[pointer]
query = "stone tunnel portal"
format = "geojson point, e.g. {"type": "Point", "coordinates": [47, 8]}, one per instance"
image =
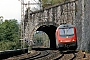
{"type": "Point", "coordinates": [50, 31]}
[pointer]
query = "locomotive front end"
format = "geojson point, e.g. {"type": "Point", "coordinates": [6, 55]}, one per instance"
{"type": "Point", "coordinates": [66, 37]}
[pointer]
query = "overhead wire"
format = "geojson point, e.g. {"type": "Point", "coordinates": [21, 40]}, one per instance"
{"type": "Point", "coordinates": [36, 3]}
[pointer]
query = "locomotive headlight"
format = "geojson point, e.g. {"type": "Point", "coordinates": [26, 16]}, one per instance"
{"type": "Point", "coordinates": [61, 41]}
{"type": "Point", "coordinates": [73, 40]}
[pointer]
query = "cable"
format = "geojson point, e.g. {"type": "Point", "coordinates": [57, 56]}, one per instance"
{"type": "Point", "coordinates": [35, 1]}
{"type": "Point", "coordinates": [37, 5]}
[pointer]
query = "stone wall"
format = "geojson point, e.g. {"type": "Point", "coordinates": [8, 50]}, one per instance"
{"type": "Point", "coordinates": [87, 23]}
{"type": "Point", "coordinates": [83, 24]}
{"type": "Point", "coordinates": [78, 23]}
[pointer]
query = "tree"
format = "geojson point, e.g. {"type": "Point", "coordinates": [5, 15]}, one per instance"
{"type": "Point", "coordinates": [9, 29]}
{"type": "Point", "coordinates": [9, 35]}
{"type": "Point", "coordinates": [46, 3]}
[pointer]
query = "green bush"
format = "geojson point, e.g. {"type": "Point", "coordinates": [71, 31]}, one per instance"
{"type": "Point", "coordinates": [9, 35]}
{"type": "Point", "coordinates": [51, 2]}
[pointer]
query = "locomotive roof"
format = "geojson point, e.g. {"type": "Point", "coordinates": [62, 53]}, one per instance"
{"type": "Point", "coordinates": [66, 26]}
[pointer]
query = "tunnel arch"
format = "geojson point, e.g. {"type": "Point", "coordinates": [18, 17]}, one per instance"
{"type": "Point", "coordinates": [50, 30]}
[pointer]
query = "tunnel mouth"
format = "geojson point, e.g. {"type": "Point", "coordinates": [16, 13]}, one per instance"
{"type": "Point", "coordinates": [50, 31]}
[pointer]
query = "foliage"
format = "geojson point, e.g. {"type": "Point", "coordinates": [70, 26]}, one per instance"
{"type": "Point", "coordinates": [46, 3]}
{"type": "Point", "coordinates": [40, 38]}
{"type": "Point", "coordinates": [9, 35]}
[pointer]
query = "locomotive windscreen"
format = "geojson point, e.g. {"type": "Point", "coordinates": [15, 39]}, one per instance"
{"type": "Point", "coordinates": [64, 32]}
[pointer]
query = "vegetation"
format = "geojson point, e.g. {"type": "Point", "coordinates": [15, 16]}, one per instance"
{"type": "Point", "coordinates": [46, 3]}
{"type": "Point", "coordinates": [41, 39]}
{"type": "Point", "coordinates": [9, 35]}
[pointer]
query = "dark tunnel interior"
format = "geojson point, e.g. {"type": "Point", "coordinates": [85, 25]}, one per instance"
{"type": "Point", "coordinates": [50, 31]}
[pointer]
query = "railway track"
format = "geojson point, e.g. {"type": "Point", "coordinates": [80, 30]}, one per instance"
{"type": "Point", "coordinates": [22, 56]}
{"type": "Point", "coordinates": [37, 56]}
{"type": "Point", "coordinates": [49, 55]}
{"type": "Point", "coordinates": [68, 55]}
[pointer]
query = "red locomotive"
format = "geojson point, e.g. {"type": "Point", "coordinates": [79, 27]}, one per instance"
{"type": "Point", "coordinates": [66, 38]}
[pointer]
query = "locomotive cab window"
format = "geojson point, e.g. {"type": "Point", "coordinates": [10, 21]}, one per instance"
{"type": "Point", "coordinates": [66, 32]}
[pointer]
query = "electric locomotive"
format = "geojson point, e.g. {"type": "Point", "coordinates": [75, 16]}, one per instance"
{"type": "Point", "coordinates": [66, 38]}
